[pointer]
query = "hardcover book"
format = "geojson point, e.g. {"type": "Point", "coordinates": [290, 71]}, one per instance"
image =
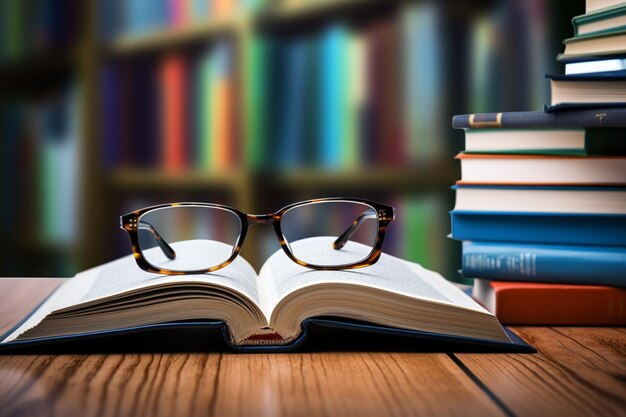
{"type": "Point", "coordinates": [547, 141]}
{"type": "Point", "coordinates": [520, 303]}
{"type": "Point", "coordinates": [545, 263]}
{"type": "Point", "coordinates": [566, 118]}
{"type": "Point", "coordinates": [594, 45]}
{"type": "Point", "coordinates": [587, 90]}
{"type": "Point", "coordinates": [592, 200]}
{"type": "Point", "coordinates": [540, 227]}
{"type": "Point", "coordinates": [271, 310]}
{"type": "Point", "coordinates": [596, 65]}
{"type": "Point", "coordinates": [601, 21]}
{"type": "Point", "coordinates": [542, 170]}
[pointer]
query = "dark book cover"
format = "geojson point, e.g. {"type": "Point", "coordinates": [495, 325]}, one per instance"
{"type": "Point", "coordinates": [573, 117]}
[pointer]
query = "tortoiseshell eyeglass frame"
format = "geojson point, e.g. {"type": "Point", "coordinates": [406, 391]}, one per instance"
{"type": "Point", "coordinates": [130, 223]}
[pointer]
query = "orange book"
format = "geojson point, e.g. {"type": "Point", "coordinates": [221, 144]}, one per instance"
{"type": "Point", "coordinates": [223, 7]}
{"type": "Point", "coordinates": [223, 107]}
{"type": "Point", "coordinates": [173, 113]}
{"type": "Point", "coordinates": [221, 124]}
{"type": "Point", "coordinates": [521, 303]}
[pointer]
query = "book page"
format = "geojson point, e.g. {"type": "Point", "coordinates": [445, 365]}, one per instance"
{"type": "Point", "coordinates": [124, 275]}
{"type": "Point", "coordinates": [389, 274]}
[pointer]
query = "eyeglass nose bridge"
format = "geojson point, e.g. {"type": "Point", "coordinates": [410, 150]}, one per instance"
{"type": "Point", "coordinates": [262, 218]}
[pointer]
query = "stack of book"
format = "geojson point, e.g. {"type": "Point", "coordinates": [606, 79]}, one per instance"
{"type": "Point", "coordinates": [541, 205]}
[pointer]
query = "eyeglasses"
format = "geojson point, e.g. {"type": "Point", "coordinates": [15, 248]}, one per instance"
{"type": "Point", "coordinates": [197, 238]}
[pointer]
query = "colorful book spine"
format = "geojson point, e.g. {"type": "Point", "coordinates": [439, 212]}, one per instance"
{"type": "Point", "coordinates": [178, 13]}
{"type": "Point", "coordinates": [204, 136]}
{"type": "Point", "coordinates": [356, 90]}
{"type": "Point", "coordinates": [254, 92]}
{"type": "Point", "coordinates": [332, 92]}
{"type": "Point", "coordinates": [517, 303]}
{"type": "Point", "coordinates": [222, 8]}
{"type": "Point", "coordinates": [566, 264]}
{"type": "Point", "coordinates": [174, 110]}
{"type": "Point", "coordinates": [200, 10]}
{"type": "Point", "coordinates": [110, 125]}
{"type": "Point", "coordinates": [222, 105]}
{"type": "Point", "coordinates": [558, 228]}
{"type": "Point", "coordinates": [422, 81]}
{"type": "Point", "coordinates": [58, 170]}
{"type": "Point", "coordinates": [424, 232]}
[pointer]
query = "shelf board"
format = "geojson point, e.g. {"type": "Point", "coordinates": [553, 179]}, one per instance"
{"type": "Point", "coordinates": [164, 38]}
{"type": "Point", "coordinates": [155, 178]}
{"type": "Point", "coordinates": [287, 12]}
{"type": "Point", "coordinates": [427, 175]}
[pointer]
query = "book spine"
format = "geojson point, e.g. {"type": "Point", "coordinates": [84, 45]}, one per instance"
{"type": "Point", "coordinates": [422, 82]}
{"type": "Point", "coordinates": [173, 92]}
{"type": "Point", "coordinates": [110, 128]}
{"type": "Point", "coordinates": [255, 80]}
{"type": "Point", "coordinates": [545, 263]}
{"type": "Point", "coordinates": [596, 117]}
{"type": "Point", "coordinates": [331, 93]}
{"type": "Point", "coordinates": [222, 108]}
{"type": "Point", "coordinates": [290, 127]}
{"type": "Point", "coordinates": [559, 228]}
{"type": "Point", "coordinates": [354, 74]}
{"type": "Point", "coordinates": [205, 134]}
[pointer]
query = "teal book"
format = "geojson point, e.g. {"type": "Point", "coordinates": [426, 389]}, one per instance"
{"type": "Point", "coordinates": [602, 21]}
{"type": "Point", "coordinates": [290, 134]}
{"type": "Point", "coordinates": [332, 95]}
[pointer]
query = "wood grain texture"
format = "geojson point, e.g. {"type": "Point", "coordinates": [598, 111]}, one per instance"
{"type": "Point", "coordinates": [214, 384]}
{"type": "Point", "coordinates": [577, 372]}
{"type": "Point", "coordinates": [329, 384]}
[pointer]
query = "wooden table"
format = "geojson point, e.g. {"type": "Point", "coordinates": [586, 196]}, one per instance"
{"type": "Point", "coordinates": [577, 372]}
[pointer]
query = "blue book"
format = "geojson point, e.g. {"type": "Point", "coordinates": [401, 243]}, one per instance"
{"type": "Point", "coordinates": [559, 228]}
{"type": "Point", "coordinates": [596, 117]}
{"type": "Point", "coordinates": [561, 264]}
{"type": "Point", "coordinates": [293, 103]}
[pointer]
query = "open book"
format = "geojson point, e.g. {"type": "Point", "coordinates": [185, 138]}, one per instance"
{"type": "Point", "coordinates": [265, 309]}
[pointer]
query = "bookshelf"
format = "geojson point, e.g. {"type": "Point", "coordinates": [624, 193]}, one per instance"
{"type": "Point", "coordinates": [167, 38]}
{"type": "Point", "coordinates": [108, 189]}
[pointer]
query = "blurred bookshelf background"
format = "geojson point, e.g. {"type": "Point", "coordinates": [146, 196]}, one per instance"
{"type": "Point", "coordinates": [111, 105]}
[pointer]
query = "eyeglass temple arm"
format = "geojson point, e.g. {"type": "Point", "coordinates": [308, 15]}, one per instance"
{"type": "Point", "coordinates": [345, 236]}
{"type": "Point", "coordinates": [167, 249]}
